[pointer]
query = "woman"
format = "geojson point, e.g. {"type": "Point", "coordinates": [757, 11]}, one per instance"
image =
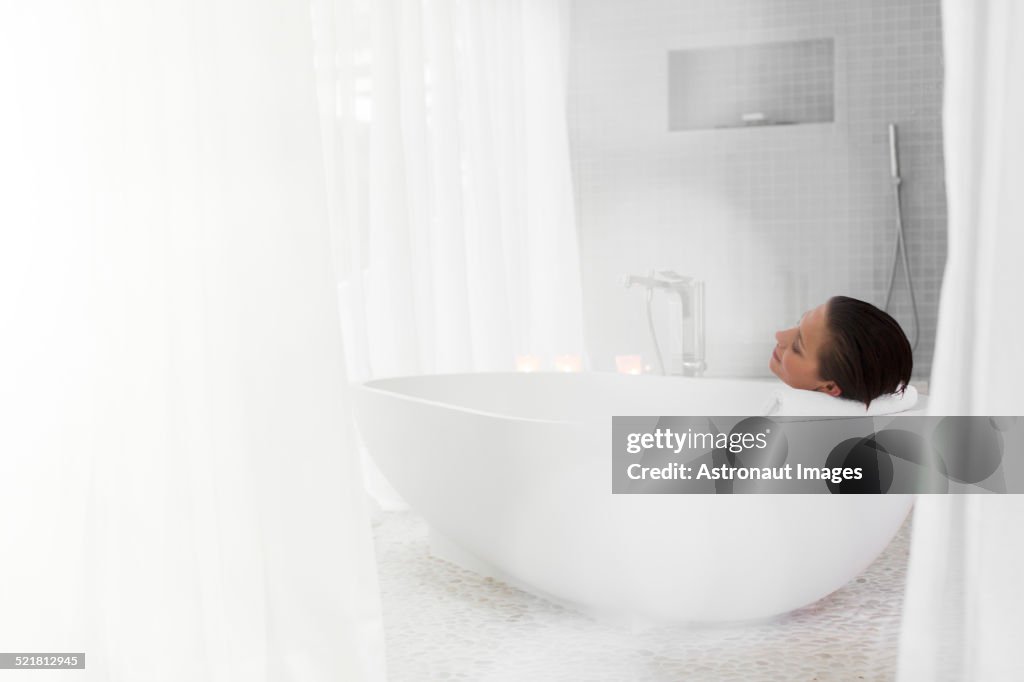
{"type": "Point", "coordinates": [846, 348]}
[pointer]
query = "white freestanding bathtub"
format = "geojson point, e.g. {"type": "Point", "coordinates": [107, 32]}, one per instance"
{"type": "Point", "coordinates": [513, 473]}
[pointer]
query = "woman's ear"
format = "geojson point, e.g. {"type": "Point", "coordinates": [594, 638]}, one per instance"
{"type": "Point", "coordinates": [831, 388]}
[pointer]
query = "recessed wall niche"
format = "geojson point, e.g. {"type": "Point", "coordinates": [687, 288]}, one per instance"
{"type": "Point", "coordinates": [778, 83]}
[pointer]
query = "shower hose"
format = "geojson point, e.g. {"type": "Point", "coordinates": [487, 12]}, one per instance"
{"type": "Point", "coordinates": [901, 242]}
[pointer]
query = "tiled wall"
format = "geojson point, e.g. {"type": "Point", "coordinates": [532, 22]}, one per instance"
{"type": "Point", "coordinates": [775, 219]}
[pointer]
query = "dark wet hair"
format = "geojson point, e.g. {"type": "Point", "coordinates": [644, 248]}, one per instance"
{"type": "Point", "coordinates": [867, 354]}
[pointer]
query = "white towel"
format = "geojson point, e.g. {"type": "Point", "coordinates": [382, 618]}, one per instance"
{"type": "Point", "coordinates": [786, 401]}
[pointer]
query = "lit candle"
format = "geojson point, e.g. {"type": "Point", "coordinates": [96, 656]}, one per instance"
{"type": "Point", "coordinates": [527, 363]}
{"type": "Point", "coordinates": [568, 363]}
{"type": "Point", "coordinates": [629, 364]}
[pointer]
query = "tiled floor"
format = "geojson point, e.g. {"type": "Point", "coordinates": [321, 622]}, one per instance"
{"type": "Point", "coordinates": [445, 623]}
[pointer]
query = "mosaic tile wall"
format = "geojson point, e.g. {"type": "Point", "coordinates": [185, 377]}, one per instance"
{"type": "Point", "coordinates": [775, 219]}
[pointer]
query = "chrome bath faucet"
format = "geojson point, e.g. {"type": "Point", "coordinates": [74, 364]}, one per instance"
{"type": "Point", "coordinates": [691, 297]}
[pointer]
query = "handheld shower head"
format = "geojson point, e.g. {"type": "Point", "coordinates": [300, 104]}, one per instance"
{"type": "Point", "coordinates": [894, 158]}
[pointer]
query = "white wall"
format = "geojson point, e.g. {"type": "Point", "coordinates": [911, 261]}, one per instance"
{"type": "Point", "coordinates": [774, 219]}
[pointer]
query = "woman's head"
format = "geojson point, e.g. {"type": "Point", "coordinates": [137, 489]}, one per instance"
{"type": "Point", "coordinates": [844, 347]}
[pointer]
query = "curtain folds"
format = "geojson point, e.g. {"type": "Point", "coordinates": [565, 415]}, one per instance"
{"type": "Point", "coordinates": [179, 493]}
{"type": "Point", "coordinates": [964, 609]}
{"type": "Point", "coordinates": [450, 147]}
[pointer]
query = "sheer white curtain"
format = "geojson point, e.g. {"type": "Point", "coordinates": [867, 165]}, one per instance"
{"type": "Point", "coordinates": [964, 611]}
{"type": "Point", "coordinates": [449, 159]}
{"type": "Point", "coordinates": [179, 497]}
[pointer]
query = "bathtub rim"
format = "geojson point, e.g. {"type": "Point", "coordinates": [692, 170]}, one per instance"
{"type": "Point", "coordinates": [380, 391]}
{"type": "Point", "coordinates": [365, 386]}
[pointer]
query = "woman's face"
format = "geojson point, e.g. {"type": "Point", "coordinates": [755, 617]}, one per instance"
{"type": "Point", "coordinates": [795, 358]}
